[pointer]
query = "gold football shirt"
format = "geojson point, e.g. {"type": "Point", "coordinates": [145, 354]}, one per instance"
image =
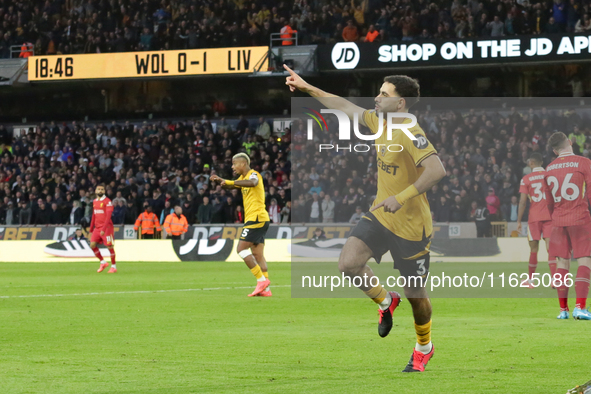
{"type": "Point", "coordinates": [254, 201]}
{"type": "Point", "coordinates": [396, 172]}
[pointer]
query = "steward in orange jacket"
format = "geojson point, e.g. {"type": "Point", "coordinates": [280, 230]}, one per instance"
{"type": "Point", "coordinates": [176, 224]}
{"type": "Point", "coordinates": [149, 222]}
{"type": "Point", "coordinates": [287, 34]}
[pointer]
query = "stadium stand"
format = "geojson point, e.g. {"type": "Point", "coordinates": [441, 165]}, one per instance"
{"type": "Point", "coordinates": [91, 26]}
{"type": "Point", "coordinates": [485, 155]}
{"type": "Point", "coordinates": [48, 175]}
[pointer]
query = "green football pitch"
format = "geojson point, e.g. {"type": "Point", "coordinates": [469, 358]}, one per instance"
{"type": "Point", "coordinates": [190, 328]}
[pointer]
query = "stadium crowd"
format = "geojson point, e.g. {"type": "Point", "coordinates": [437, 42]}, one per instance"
{"type": "Point", "coordinates": [49, 174]}
{"type": "Point", "coordinates": [91, 26]}
{"type": "Point", "coordinates": [485, 156]}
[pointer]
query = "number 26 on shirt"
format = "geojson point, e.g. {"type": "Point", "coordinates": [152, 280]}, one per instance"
{"type": "Point", "coordinates": [568, 191]}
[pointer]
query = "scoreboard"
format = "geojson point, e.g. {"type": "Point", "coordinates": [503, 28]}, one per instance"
{"type": "Point", "coordinates": [159, 64]}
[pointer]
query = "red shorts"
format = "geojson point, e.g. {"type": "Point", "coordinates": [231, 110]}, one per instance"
{"type": "Point", "coordinates": [535, 230]}
{"type": "Point", "coordinates": [571, 238]}
{"type": "Point", "coordinates": [106, 239]}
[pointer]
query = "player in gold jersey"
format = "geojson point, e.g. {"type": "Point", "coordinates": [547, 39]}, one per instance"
{"type": "Point", "coordinates": [400, 217]}
{"type": "Point", "coordinates": [256, 222]}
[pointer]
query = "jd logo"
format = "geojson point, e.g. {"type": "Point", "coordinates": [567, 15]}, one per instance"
{"type": "Point", "coordinates": [420, 142]}
{"type": "Point", "coordinates": [345, 55]}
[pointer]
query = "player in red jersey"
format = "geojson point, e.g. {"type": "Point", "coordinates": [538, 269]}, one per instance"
{"type": "Point", "coordinates": [568, 185]}
{"type": "Point", "coordinates": [101, 227]}
{"type": "Point", "coordinates": [539, 222]}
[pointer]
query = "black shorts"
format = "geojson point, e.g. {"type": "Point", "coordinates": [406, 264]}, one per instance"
{"type": "Point", "coordinates": [254, 235]}
{"type": "Point", "coordinates": [411, 258]}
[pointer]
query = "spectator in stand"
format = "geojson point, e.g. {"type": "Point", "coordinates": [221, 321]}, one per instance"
{"type": "Point", "coordinates": [119, 212]}
{"type": "Point", "coordinates": [513, 208]}
{"type": "Point", "coordinates": [357, 215]}
{"type": "Point", "coordinates": [496, 27]}
{"type": "Point", "coordinates": [228, 210]}
{"type": "Point", "coordinates": [315, 209]}
{"type": "Point", "coordinates": [328, 207]}
{"type": "Point", "coordinates": [552, 27]}
{"type": "Point", "coordinates": [205, 212]}
{"type": "Point", "coordinates": [493, 204]}
{"type": "Point", "coordinates": [239, 214]}
{"type": "Point", "coordinates": [457, 211]}
{"type": "Point", "coordinates": [286, 213]}
{"type": "Point", "coordinates": [481, 217]}
{"type": "Point", "coordinates": [41, 214]}
{"type": "Point", "coordinates": [168, 209]}
{"type": "Point", "coordinates": [442, 210]}
{"type": "Point", "coordinates": [12, 214]}
{"type": "Point", "coordinates": [318, 234]}
{"type": "Point", "coordinates": [372, 34]}
{"type": "Point", "coordinates": [76, 214]}
{"type": "Point", "coordinates": [274, 212]}
{"type": "Point", "coordinates": [263, 130]}
{"type": "Point", "coordinates": [287, 34]}
{"type": "Point", "coordinates": [350, 32]}
{"type": "Point", "coordinates": [111, 28]}
{"type": "Point", "coordinates": [77, 236]}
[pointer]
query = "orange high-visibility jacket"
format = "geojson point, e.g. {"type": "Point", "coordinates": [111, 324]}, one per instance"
{"type": "Point", "coordinates": [286, 34]}
{"type": "Point", "coordinates": [175, 226]}
{"type": "Point", "coordinates": [148, 222]}
{"type": "Point", "coordinates": [26, 50]}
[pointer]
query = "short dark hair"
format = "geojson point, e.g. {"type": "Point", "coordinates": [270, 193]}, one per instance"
{"type": "Point", "coordinates": [406, 87]}
{"type": "Point", "coordinates": [557, 140]}
{"type": "Point", "coordinates": [537, 158]}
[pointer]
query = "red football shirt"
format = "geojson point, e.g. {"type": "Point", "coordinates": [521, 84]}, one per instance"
{"type": "Point", "coordinates": [568, 180]}
{"type": "Point", "coordinates": [533, 185]}
{"type": "Point", "coordinates": [101, 214]}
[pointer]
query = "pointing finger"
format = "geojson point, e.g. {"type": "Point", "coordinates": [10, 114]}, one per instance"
{"type": "Point", "coordinates": [377, 206]}
{"type": "Point", "coordinates": [289, 70]}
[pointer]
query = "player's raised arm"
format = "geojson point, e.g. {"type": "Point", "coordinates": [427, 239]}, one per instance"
{"type": "Point", "coordinates": [250, 182]}
{"type": "Point", "coordinates": [226, 184]}
{"type": "Point", "coordinates": [329, 100]}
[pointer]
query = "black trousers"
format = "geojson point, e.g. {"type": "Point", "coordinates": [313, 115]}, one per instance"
{"type": "Point", "coordinates": [147, 236]}
{"type": "Point", "coordinates": [176, 236]}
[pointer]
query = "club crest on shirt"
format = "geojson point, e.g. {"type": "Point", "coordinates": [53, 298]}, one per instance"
{"type": "Point", "coordinates": [383, 150]}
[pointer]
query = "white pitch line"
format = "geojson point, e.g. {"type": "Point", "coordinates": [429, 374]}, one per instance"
{"type": "Point", "coordinates": [130, 292]}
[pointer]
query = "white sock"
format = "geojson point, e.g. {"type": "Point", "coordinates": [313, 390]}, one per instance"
{"type": "Point", "coordinates": [261, 279]}
{"type": "Point", "coordinates": [113, 266]}
{"type": "Point", "coordinates": [268, 288]}
{"type": "Point", "coordinates": [386, 303]}
{"type": "Point", "coordinates": [425, 349]}
{"type": "Point", "coordinates": [102, 262]}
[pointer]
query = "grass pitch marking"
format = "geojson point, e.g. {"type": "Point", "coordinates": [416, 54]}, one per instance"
{"type": "Point", "coordinates": [131, 292]}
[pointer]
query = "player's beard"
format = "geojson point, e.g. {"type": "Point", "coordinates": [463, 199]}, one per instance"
{"type": "Point", "coordinates": [100, 195]}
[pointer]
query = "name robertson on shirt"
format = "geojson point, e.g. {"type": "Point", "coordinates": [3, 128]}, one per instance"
{"type": "Point", "coordinates": [558, 166]}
